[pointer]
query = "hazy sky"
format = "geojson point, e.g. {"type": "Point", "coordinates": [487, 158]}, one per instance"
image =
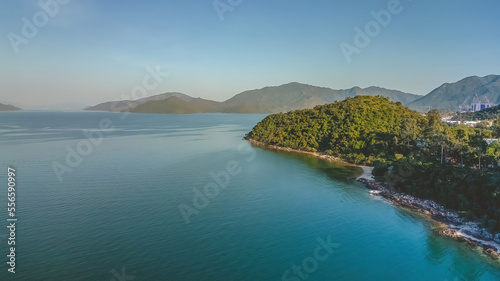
{"type": "Point", "coordinates": [84, 52]}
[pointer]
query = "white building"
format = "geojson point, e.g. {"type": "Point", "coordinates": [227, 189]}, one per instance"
{"type": "Point", "coordinates": [490, 141]}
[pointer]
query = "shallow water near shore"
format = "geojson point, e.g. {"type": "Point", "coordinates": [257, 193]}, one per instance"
{"type": "Point", "coordinates": [118, 210]}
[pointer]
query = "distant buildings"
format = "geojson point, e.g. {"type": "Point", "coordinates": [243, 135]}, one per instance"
{"type": "Point", "coordinates": [490, 141]}
{"type": "Point", "coordinates": [476, 106]}
{"type": "Point", "coordinates": [487, 123]}
{"type": "Point", "coordinates": [470, 123]}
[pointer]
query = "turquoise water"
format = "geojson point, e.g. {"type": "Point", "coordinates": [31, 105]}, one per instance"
{"type": "Point", "coordinates": [117, 212]}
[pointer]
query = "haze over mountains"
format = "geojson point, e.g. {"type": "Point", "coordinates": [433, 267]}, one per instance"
{"type": "Point", "coordinates": [294, 96]}
{"type": "Point", "coordinates": [450, 96]}
{"type": "Point", "coordinates": [8, 107]}
{"type": "Point", "coordinates": [117, 106]}
{"type": "Point", "coordinates": [266, 100]}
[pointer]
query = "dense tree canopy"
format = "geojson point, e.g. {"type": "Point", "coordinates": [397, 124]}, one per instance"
{"type": "Point", "coordinates": [362, 128]}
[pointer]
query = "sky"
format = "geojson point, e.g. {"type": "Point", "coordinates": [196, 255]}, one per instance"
{"type": "Point", "coordinates": [75, 53]}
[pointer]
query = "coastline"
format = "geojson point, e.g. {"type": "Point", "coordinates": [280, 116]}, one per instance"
{"type": "Point", "coordinates": [450, 223]}
{"type": "Point", "coordinates": [316, 154]}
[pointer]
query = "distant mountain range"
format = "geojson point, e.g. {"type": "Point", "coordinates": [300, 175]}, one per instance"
{"type": "Point", "coordinates": [118, 106]}
{"type": "Point", "coordinates": [267, 100]}
{"type": "Point", "coordinates": [449, 96]}
{"type": "Point", "coordinates": [298, 96]}
{"type": "Point", "coordinates": [8, 107]}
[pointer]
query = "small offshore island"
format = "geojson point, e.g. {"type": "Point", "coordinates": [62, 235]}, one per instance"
{"type": "Point", "coordinates": [449, 173]}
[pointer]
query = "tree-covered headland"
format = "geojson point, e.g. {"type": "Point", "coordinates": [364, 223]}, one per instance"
{"type": "Point", "coordinates": [416, 153]}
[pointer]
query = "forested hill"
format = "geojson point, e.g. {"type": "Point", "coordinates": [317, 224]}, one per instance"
{"type": "Point", "coordinates": [364, 128]}
{"type": "Point", "coordinates": [452, 165]}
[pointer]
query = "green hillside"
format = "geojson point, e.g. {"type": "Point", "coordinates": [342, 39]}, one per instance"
{"type": "Point", "coordinates": [364, 128]}
{"type": "Point", "coordinates": [175, 105]}
{"type": "Point", "coordinates": [125, 105]}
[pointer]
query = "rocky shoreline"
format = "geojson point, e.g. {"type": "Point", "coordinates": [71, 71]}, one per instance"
{"type": "Point", "coordinates": [452, 225]}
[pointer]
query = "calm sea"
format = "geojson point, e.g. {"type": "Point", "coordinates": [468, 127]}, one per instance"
{"type": "Point", "coordinates": [104, 196]}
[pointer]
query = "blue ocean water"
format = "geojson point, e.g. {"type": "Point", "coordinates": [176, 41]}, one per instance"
{"type": "Point", "coordinates": [107, 196]}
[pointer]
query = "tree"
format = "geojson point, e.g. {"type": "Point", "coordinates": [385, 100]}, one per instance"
{"type": "Point", "coordinates": [480, 145]}
{"type": "Point", "coordinates": [434, 125]}
{"type": "Point", "coordinates": [409, 130]}
{"type": "Point", "coordinates": [493, 151]}
{"type": "Point", "coordinates": [463, 134]}
{"type": "Point", "coordinates": [433, 132]}
{"type": "Point", "coordinates": [496, 128]}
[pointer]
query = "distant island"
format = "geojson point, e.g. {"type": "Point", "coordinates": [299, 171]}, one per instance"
{"type": "Point", "coordinates": [8, 107]}
{"type": "Point", "coordinates": [448, 172]}
{"type": "Point", "coordinates": [293, 96]}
